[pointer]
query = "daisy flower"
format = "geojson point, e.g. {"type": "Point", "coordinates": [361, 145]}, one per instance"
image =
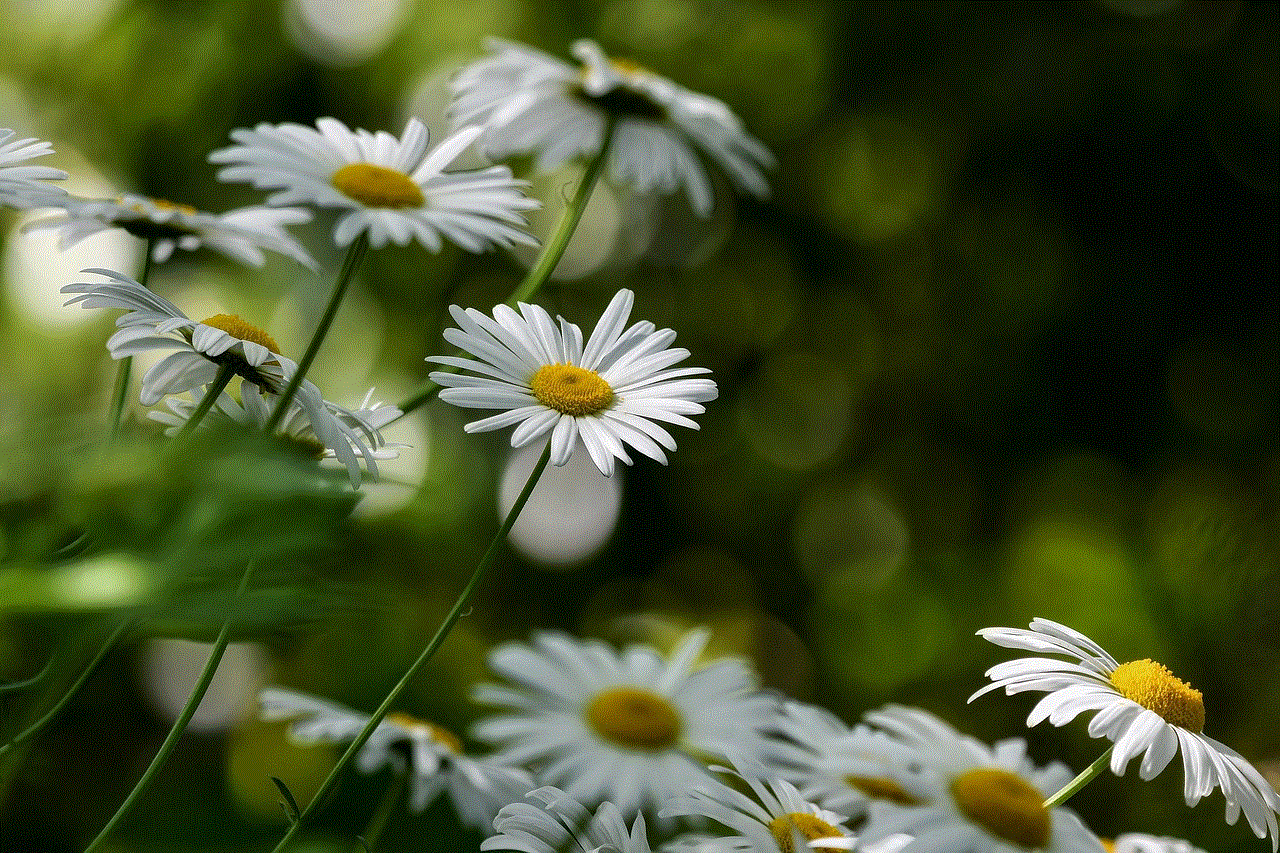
{"type": "Point", "coordinates": [563, 825]}
{"type": "Point", "coordinates": [254, 410]}
{"type": "Point", "coordinates": [393, 189]}
{"type": "Point", "coordinates": [201, 349]}
{"type": "Point", "coordinates": [433, 756]}
{"type": "Point", "coordinates": [1141, 707]}
{"type": "Point", "coordinates": [971, 798]}
{"type": "Point", "coordinates": [239, 234]}
{"type": "Point", "coordinates": [628, 728]}
{"type": "Point", "coordinates": [1134, 842]}
{"type": "Point", "coordinates": [848, 770]}
{"type": "Point", "coordinates": [776, 820]}
{"type": "Point", "coordinates": [609, 393]}
{"type": "Point", "coordinates": [532, 103]}
{"type": "Point", "coordinates": [22, 186]}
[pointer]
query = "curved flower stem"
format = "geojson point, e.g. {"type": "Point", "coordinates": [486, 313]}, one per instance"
{"type": "Point", "coordinates": [380, 819]}
{"type": "Point", "coordinates": [126, 363]}
{"type": "Point", "coordinates": [349, 265]}
{"type": "Point", "coordinates": [27, 733]}
{"type": "Point", "coordinates": [1086, 776]}
{"type": "Point", "coordinates": [211, 394]}
{"type": "Point", "coordinates": [552, 252]}
{"type": "Point", "coordinates": [180, 724]}
{"type": "Point", "coordinates": [443, 631]}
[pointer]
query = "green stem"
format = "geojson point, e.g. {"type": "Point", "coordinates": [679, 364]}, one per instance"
{"type": "Point", "coordinates": [443, 631]}
{"type": "Point", "coordinates": [126, 363]}
{"type": "Point", "coordinates": [180, 724]}
{"type": "Point", "coordinates": [382, 816]}
{"type": "Point", "coordinates": [27, 733]}
{"type": "Point", "coordinates": [211, 394]}
{"type": "Point", "coordinates": [551, 254]}
{"type": "Point", "coordinates": [354, 255]}
{"type": "Point", "coordinates": [1086, 776]}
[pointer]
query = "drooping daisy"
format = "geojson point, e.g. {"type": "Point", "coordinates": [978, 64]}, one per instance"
{"type": "Point", "coordinates": [849, 770]}
{"type": "Point", "coordinates": [239, 234]}
{"type": "Point", "coordinates": [776, 820]}
{"type": "Point", "coordinates": [532, 103]}
{"type": "Point", "coordinates": [610, 392]}
{"type": "Point", "coordinates": [970, 797]}
{"type": "Point", "coordinates": [629, 728]}
{"type": "Point", "coordinates": [433, 756]}
{"type": "Point", "coordinates": [395, 189]}
{"type": "Point", "coordinates": [254, 410]}
{"type": "Point", "coordinates": [1141, 707]}
{"type": "Point", "coordinates": [201, 349]}
{"type": "Point", "coordinates": [24, 186]}
{"type": "Point", "coordinates": [563, 825]}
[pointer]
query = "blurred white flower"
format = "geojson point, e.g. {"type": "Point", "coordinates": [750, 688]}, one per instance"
{"type": "Point", "coordinates": [24, 186]}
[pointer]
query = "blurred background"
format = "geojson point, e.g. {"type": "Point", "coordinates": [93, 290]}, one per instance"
{"type": "Point", "coordinates": [1003, 344]}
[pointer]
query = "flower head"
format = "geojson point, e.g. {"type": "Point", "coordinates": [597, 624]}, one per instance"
{"type": "Point", "coordinates": [433, 756]}
{"type": "Point", "coordinates": [609, 393]}
{"type": "Point", "coordinates": [629, 728]}
{"type": "Point", "coordinates": [1134, 842]}
{"type": "Point", "coordinates": [777, 819]}
{"type": "Point", "coordinates": [532, 103]}
{"type": "Point", "coordinates": [1141, 707]}
{"type": "Point", "coordinates": [560, 824]}
{"type": "Point", "coordinates": [23, 186]}
{"type": "Point", "coordinates": [239, 234]}
{"type": "Point", "coordinates": [395, 189]}
{"type": "Point", "coordinates": [971, 797]}
{"type": "Point", "coordinates": [201, 349]}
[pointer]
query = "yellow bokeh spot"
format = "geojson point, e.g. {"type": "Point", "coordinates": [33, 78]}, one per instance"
{"type": "Point", "coordinates": [1155, 688]}
{"type": "Point", "coordinates": [571, 390]}
{"type": "Point", "coordinates": [377, 186]}
{"type": "Point", "coordinates": [635, 718]}
{"type": "Point", "coordinates": [810, 828]}
{"type": "Point", "coordinates": [237, 328]}
{"type": "Point", "coordinates": [1004, 804]}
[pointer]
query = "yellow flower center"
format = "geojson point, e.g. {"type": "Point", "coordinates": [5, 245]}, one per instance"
{"type": "Point", "coordinates": [1108, 845]}
{"type": "Point", "coordinates": [810, 827]}
{"type": "Point", "coordinates": [1155, 688]}
{"type": "Point", "coordinates": [165, 204]}
{"type": "Point", "coordinates": [880, 788]}
{"type": "Point", "coordinates": [635, 719]}
{"type": "Point", "coordinates": [377, 186]}
{"type": "Point", "coordinates": [628, 67]}
{"type": "Point", "coordinates": [1004, 804]}
{"type": "Point", "coordinates": [571, 390]}
{"type": "Point", "coordinates": [440, 735]}
{"type": "Point", "coordinates": [237, 328]}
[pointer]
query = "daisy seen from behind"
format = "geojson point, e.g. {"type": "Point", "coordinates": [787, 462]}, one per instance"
{"type": "Point", "coordinates": [631, 728]}
{"type": "Point", "coordinates": [24, 186]}
{"type": "Point", "coordinates": [201, 351]}
{"type": "Point", "coordinates": [238, 234]}
{"type": "Point", "coordinates": [532, 103]}
{"type": "Point", "coordinates": [612, 392]}
{"type": "Point", "coordinates": [551, 821]}
{"type": "Point", "coordinates": [1141, 707]}
{"type": "Point", "coordinates": [395, 190]}
{"type": "Point", "coordinates": [970, 797]}
{"type": "Point", "coordinates": [432, 756]}
{"type": "Point", "coordinates": [775, 819]}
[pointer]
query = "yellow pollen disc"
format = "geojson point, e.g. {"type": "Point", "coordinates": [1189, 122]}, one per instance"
{"type": "Point", "coordinates": [1109, 846]}
{"type": "Point", "coordinates": [377, 186]}
{"type": "Point", "coordinates": [571, 390]}
{"type": "Point", "coordinates": [1004, 804]}
{"type": "Point", "coordinates": [810, 828]}
{"type": "Point", "coordinates": [237, 328]}
{"type": "Point", "coordinates": [879, 788]}
{"type": "Point", "coordinates": [164, 204]}
{"type": "Point", "coordinates": [628, 66]}
{"type": "Point", "coordinates": [1155, 688]}
{"type": "Point", "coordinates": [634, 718]}
{"type": "Point", "coordinates": [440, 735]}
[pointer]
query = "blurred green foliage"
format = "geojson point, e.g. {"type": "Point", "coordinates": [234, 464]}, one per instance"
{"type": "Point", "coordinates": [1003, 344]}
